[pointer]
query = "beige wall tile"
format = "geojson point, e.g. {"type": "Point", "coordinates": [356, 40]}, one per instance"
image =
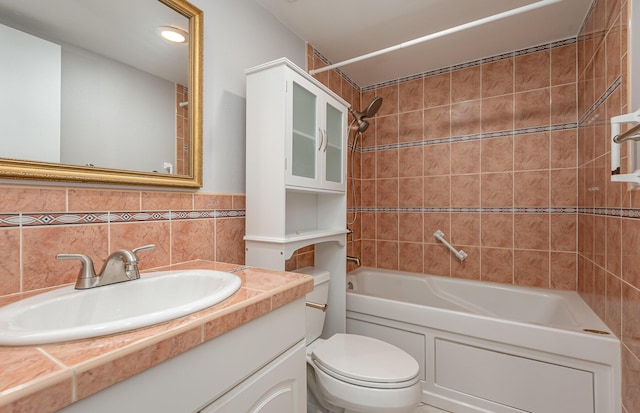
{"type": "Point", "coordinates": [437, 122]}
{"type": "Point", "coordinates": [411, 96]}
{"type": "Point", "coordinates": [228, 232]}
{"type": "Point", "coordinates": [497, 231]}
{"type": "Point", "coordinates": [496, 190]}
{"type": "Point", "coordinates": [532, 71]}
{"type": "Point", "coordinates": [465, 157]}
{"type": "Point", "coordinates": [158, 201]}
{"type": "Point", "coordinates": [86, 200]}
{"type": "Point", "coordinates": [497, 265]}
{"type": "Point", "coordinates": [411, 257]}
{"type": "Point", "coordinates": [497, 113]}
{"type": "Point", "coordinates": [437, 90]}
{"type": "Point", "coordinates": [40, 245]}
{"type": "Point", "coordinates": [532, 108]}
{"type": "Point", "coordinates": [32, 199]}
{"type": "Point", "coordinates": [563, 65]}
{"type": "Point", "coordinates": [9, 261]}
{"type": "Point", "coordinates": [134, 235]}
{"type": "Point", "coordinates": [531, 268]}
{"type": "Point", "coordinates": [497, 78]}
{"type": "Point", "coordinates": [465, 118]}
{"type": "Point", "coordinates": [497, 154]}
{"type": "Point", "coordinates": [191, 240]}
{"type": "Point", "coordinates": [465, 84]}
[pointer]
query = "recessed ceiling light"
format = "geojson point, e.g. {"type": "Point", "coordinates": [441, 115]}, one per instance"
{"type": "Point", "coordinates": [173, 34]}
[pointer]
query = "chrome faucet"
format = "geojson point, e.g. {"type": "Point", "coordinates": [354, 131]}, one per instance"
{"type": "Point", "coordinates": [121, 265]}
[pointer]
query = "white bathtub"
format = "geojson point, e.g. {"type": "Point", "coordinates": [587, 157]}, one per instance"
{"type": "Point", "coordinates": [491, 348]}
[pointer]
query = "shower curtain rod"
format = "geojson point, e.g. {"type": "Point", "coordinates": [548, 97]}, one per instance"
{"type": "Point", "coordinates": [465, 26]}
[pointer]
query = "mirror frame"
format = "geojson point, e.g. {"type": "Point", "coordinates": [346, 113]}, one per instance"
{"type": "Point", "coordinates": [47, 171]}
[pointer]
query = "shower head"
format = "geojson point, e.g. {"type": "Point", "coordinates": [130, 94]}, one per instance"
{"type": "Point", "coordinates": [373, 107]}
{"type": "Point", "coordinates": [361, 124]}
{"type": "Point", "coordinates": [371, 110]}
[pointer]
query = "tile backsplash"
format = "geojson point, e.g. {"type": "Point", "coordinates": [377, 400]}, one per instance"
{"type": "Point", "coordinates": [38, 222]}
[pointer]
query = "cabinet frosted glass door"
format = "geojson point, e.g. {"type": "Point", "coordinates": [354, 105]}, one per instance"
{"type": "Point", "coordinates": [334, 146]}
{"type": "Point", "coordinates": [305, 127]}
{"type": "Point", "coordinates": [315, 142]}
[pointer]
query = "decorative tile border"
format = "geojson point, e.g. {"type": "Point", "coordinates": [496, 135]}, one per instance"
{"type": "Point", "coordinates": [326, 61]}
{"type": "Point", "coordinates": [35, 220]}
{"type": "Point", "coordinates": [601, 100]}
{"type": "Point", "coordinates": [609, 212]}
{"type": "Point", "coordinates": [478, 62]}
{"type": "Point", "coordinates": [458, 210]}
{"type": "Point", "coordinates": [466, 138]}
{"type": "Point", "coordinates": [435, 72]}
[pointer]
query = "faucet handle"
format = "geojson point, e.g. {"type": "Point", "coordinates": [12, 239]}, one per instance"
{"type": "Point", "coordinates": [87, 273]}
{"type": "Point", "coordinates": [143, 248]}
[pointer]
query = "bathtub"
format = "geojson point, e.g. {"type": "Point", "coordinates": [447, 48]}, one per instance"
{"type": "Point", "coordinates": [491, 348]}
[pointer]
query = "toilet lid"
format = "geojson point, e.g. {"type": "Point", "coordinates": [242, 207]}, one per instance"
{"type": "Point", "coordinates": [365, 359]}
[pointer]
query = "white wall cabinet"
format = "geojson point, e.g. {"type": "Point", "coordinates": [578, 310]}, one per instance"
{"type": "Point", "coordinates": [314, 136]}
{"type": "Point", "coordinates": [296, 175]}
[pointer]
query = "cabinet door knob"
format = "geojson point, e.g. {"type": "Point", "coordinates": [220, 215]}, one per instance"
{"type": "Point", "coordinates": [321, 139]}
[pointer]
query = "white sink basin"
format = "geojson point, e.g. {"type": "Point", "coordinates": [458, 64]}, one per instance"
{"type": "Point", "coordinates": [70, 314]}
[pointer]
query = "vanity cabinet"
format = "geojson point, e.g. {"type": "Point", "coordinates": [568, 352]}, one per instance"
{"type": "Point", "coordinates": [272, 389]}
{"type": "Point", "coordinates": [296, 175]}
{"type": "Point", "coordinates": [257, 367]}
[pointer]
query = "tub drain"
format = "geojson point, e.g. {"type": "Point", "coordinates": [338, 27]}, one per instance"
{"type": "Point", "coordinates": [590, 330]}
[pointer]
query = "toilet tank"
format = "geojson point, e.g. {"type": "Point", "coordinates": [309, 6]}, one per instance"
{"type": "Point", "coordinates": [320, 295]}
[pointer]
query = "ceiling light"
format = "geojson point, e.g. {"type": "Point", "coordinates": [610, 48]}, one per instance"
{"type": "Point", "coordinates": [173, 34]}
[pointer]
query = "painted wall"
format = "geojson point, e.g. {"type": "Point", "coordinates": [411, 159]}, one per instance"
{"type": "Point", "coordinates": [239, 35]}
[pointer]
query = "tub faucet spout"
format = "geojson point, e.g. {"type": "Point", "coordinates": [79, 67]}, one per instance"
{"type": "Point", "coordinates": [354, 259]}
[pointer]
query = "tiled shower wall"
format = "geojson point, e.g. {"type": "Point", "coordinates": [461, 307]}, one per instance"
{"type": "Point", "coordinates": [491, 153]}
{"type": "Point", "coordinates": [38, 222]}
{"type": "Point", "coordinates": [608, 225]}
{"type": "Point", "coordinates": [486, 153]}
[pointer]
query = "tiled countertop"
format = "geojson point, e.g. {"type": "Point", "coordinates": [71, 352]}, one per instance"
{"type": "Point", "coordinates": [49, 377]}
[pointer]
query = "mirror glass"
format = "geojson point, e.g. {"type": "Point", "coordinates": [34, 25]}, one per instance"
{"type": "Point", "coordinates": [92, 92]}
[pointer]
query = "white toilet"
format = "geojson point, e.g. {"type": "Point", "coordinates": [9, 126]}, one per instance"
{"type": "Point", "coordinates": [348, 373]}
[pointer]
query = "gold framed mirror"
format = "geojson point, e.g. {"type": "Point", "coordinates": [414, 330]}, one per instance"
{"type": "Point", "coordinates": [180, 161]}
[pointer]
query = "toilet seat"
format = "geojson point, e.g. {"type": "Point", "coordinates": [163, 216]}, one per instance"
{"type": "Point", "coordinates": [366, 362]}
